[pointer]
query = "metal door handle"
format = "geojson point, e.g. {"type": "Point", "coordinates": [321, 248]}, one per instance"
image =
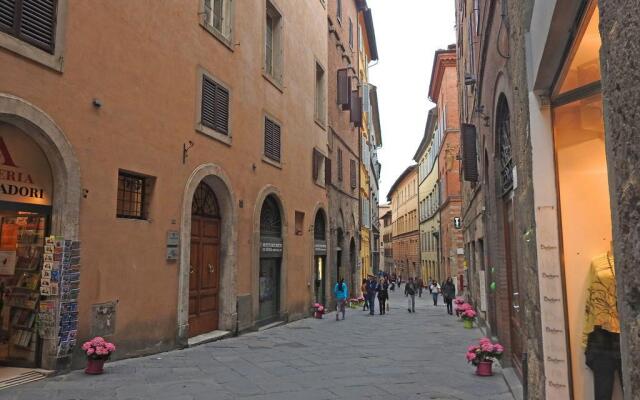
{"type": "Point", "coordinates": [191, 270]}
{"type": "Point", "coordinates": [210, 268]}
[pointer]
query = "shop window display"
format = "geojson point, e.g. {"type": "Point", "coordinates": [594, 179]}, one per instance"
{"type": "Point", "coordinates": [21, 249]}
{"type": "Point", "coordinates": [585, 214]}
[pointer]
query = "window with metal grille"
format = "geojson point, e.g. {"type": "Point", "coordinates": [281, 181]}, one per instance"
{"type": "Point", "coordinates": [352, 172]}
{"type": "Point", "coordinates": [271, 140]}
{"type": "Point", "coordinates": [215, 106]}
{"type": "Point", "coordinates": [340, 165]}
{"type": "Point", "coordinates": [504, 143]}
{"type": "Point", "coordinates": [30, 20]}
{"type": "Point", "coordinates": [131, 196]}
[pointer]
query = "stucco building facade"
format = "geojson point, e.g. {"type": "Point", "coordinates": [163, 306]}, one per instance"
{"type": "Point", "coordinates": [181, 188]}
{"type": "Point", "coordinates": [403, 196]}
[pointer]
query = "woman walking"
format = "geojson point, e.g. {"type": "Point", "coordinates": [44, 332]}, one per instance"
{"type": "Point", "coordinates": [383, 295]}
{"type": "Point", "coordinates": [341, 292]}
{"type": "Point", "coordinates": [449, 292]}
{"type": "Point", "coordinates": [363, 288]}
{"type": "Point", "coordinates": [434, 288]}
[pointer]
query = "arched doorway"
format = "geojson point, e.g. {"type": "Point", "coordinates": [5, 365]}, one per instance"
{"type": "Point", "coordinates": [352, 266]}
{"type": "Point", "coordinates": [271, 247]}
{"type": "Point", "coordinates": [320, 258]}
{"type": "Point", "coordinates": [506, 193]}
{"type": "Point", "coordinates": [204, 272]}
{"type": "Point", "coordinates": [40, 197]}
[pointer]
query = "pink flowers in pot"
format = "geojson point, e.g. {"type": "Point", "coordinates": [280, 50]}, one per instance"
{"type": "Point", "coordinates": [458, 301]}
{"type": "Point", "coordinates": [469, 314]}
{"type": "Point", "coordinates": [462, 307]}
{"type": "Point", "coordinates": [484, 351]}
{"type": "Point", "coordinates": [318, 307]}
{"type": "Point", "coordinates": [98, 348]}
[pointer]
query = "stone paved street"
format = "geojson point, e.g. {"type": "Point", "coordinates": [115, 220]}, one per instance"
{"type": "Point", "coordinates": [397, 356]}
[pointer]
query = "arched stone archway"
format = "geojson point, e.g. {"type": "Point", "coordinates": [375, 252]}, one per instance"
{"type": "Point", "coordinates": [217, 179]}
{"type": "Point", "coordinates": [65, 173]}
{"type": "Point", "coordinates": [266, 246]}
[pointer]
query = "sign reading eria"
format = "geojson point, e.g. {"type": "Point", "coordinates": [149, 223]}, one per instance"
{"type": "Point", "coordinates": [25, 174]}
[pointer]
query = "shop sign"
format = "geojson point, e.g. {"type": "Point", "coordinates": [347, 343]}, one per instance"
{"type": "Point", "coordinates": [25, 174]}
{"type": "Point", "coordinates": [173, 239]}
{"type": "Point", "coordinates": [320, 247]}
{"type": "Point", "coordinates": [271, 247]}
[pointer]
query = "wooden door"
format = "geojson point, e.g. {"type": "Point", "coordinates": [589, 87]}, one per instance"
{"type": "Point", "coordinates": [204, 276]}
{"type": "Point", "coordinates": [515, 302]}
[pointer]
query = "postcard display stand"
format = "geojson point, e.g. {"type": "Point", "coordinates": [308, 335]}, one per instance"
{"type": "Point", "coordinates": [60, 285]}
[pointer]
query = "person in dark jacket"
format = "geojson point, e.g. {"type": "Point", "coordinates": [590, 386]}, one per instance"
{"type": "Point", "coordinates": [410, 292]}
{"type": "Point", "coordinates": [372, 285]}
{"type": "Point", "coordinates": [448, 293]}
{"type": "Point", "coordinates": [383, 295]}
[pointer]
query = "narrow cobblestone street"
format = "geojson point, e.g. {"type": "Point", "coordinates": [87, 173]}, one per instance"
{"type": "Point", "coordinates": [396, 356]}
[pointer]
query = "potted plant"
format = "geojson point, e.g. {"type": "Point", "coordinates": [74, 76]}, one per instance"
{"type": "Point", "coordinates": [98, 351]}
{"type": "Point", "coordinates": [462, 307]}
{"type": "Point", "coordinates": [318, 310]}
{"type": "Point", "coordinates": [483, 355]}
{"type": "Point", "coordinates": [468, 316]}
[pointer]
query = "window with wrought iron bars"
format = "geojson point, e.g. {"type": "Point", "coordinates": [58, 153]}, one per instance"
{"type": "Point", "coordinates": [131, 196]}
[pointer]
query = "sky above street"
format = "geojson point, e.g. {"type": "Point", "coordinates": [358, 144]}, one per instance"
{"type": "Point", "coordinates": [408, 32]}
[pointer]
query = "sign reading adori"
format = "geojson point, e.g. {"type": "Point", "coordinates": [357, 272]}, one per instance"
{"type": "Point", "coordinates": [25, 174]}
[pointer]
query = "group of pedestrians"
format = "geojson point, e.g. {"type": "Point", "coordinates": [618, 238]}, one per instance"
{"type": "Point", "coordinates": [373, 287]}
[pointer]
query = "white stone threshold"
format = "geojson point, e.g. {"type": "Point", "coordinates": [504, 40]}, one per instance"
{"type": "Point", "coordinates": [208, 337]}
{"type": "Point", "coordinates": [271, 325]}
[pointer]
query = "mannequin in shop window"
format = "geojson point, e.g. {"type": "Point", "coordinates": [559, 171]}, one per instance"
{"type": "Point", "coordinates": [601, 335]}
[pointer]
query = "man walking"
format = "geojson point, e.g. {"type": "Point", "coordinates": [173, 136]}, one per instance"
{"type": "Point", "coordinates": [341, 292]}
{"type": "Point", "coordinates": [410, 292]}
{"type": "Point", "coordinates": [434, 288]}
{"type": "Point", "coordinates": [372, 285]}
{"type": "Point", "coordinates": [420, 286]}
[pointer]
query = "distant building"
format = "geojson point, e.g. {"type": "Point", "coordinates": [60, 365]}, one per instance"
{"type": "Point", "coordinates": [403, 196]}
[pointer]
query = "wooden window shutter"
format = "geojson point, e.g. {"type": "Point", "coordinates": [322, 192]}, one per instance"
{"type": "Point", "coordinates": [271, 140]}
{"type": "Point", "coordinates": [327, 171]}
{"type": "Point", "coordinates": [340, 176]}
{"type": "Point", "coordinates": [344, 88]}
{"type": "Point", "coordinates": [316, 164]}
{"type": "Point", "coordinates": [30, 20]}
{"type": "Point", "coordinates": [352, 172]}
{"type": "Point", "coordinates": [356, 109]}
{"type": "Point", "coordinates": [215, 106]}
{"type": "Point", "coordinates": [469, 153]}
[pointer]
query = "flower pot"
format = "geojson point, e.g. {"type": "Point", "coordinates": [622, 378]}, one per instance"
{"type": "Point", "coordinates": [94, 367]}
{"type": "Point", "coordinates": [468, 324]}
{"type": "Point", "coordinates": [484, 368]}
{"type": "Point", "coordinates": [318, 314]}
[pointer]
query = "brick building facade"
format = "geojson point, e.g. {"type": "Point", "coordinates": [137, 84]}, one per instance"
{"type": "Point", "coordinates": [403, 196]}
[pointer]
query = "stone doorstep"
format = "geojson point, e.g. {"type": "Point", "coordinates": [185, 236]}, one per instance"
{"type": "Point", "coordinates": [509, 375]}
{"type": "Point", "coordinates": [208, 337]}
{"type": "Point", "coordinates": [271, 325]}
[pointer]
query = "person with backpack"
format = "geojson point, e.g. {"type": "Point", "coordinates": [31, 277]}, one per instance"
{"type": "Point", "coordinates": [372, 285]}
{"type": "Point", "coordinates": [448, 293]}
{"type": "Point", "coordinates": [383, 295]}
{"type": "Point", "coordinates": [341, 292]}
{"type": "Point", "coordinates": [410, 292]}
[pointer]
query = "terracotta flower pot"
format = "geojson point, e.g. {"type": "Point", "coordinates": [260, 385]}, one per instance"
{"type": "Point", "coordinates": [484, 368]}
{"type": "Point", "coordinates": [94, 367]}
{"type": "Point", "coordinates": [468, 324]}
{"type": "Point", "coordinates": [318, 314]}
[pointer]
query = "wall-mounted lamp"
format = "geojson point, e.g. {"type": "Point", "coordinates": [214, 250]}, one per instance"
{"type": "Point", "coordinates": [185, 151]}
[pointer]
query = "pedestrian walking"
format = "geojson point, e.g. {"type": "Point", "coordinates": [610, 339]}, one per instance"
{"type": "Point", "coordinates": [341, 292]}
{"type": "Point", "coordinates": [420, 287]}
{"type": "Point", "coordinates": [429, 282]}
{"type": "Point", "coordinates": [448, 293]}
{"type": "Point", "coordinates": [383, 295]}
{"type": "Point", "coordinates": [372, 285]}
{"type": "Point", "coordinates": [363, 289]}
{"type": "Point", "coordinates": [434, 288]}
{"type": "Point", "coordinates": [410, 292]}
